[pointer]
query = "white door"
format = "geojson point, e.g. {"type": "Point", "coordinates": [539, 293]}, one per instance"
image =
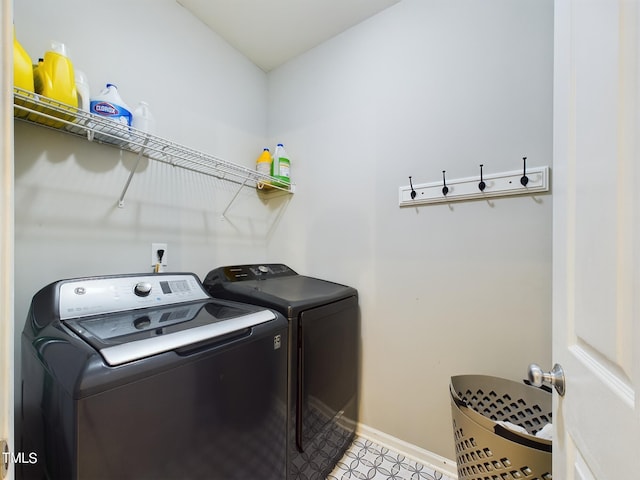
{"type": "Point", "coordinates": [6, 241]}
{"type": "Point", "coordinates": [596, 240]}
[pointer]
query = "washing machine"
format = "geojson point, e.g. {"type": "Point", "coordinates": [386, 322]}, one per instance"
{"type": "Point", "coordinates": [148, 377]}
{"type": "Point", "coordinates": [324, 346]}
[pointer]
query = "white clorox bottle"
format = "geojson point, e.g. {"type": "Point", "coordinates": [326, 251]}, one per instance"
{"type": "Point", "coordinates": [109, 104]}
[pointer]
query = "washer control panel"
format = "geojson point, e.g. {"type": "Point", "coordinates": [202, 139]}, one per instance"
{"type": "Point", "coordinates": [100, 295]}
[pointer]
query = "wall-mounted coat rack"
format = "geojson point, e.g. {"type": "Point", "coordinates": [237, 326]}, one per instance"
{"type": "Point", "coordinates": [483, 186]}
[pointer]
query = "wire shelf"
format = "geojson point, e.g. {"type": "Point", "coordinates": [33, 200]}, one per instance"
{"type": "Point", "coordinates": [49, 113]}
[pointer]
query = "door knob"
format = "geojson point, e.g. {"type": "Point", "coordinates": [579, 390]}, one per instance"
{"type": "Point", "coordinates": [555, 377]}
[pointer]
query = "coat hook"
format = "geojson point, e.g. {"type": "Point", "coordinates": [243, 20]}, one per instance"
{"type": "Point", "coordinates": [445, 189]}
{"type": "Point", "coordinates": [524, 179]}
{"type": "Point", "coordinates": [481, 185]}
{"type": "Point", "coordinates": [413, 192]}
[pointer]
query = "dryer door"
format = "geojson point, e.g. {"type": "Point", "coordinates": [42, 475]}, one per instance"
{"type": "Point", "coordinates": [327, 383]}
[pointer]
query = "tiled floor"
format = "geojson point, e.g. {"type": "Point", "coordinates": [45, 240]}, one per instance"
{"type": "Point", "coordinates": [365, 460]}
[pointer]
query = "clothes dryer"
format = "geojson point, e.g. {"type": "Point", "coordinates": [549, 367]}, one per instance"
{"type": "Point", "coordinates": [324, 339]}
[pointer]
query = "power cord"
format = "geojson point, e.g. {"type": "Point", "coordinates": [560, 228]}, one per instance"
{"type": "Point", "coordinates": [160, 254]}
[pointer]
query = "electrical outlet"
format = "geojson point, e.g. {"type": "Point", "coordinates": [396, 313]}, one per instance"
{"type": "Point", "coordinates": [155, 247]}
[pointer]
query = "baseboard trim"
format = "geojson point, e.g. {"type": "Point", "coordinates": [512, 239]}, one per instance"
{"type": "Point", "coordinates": [443, 465]}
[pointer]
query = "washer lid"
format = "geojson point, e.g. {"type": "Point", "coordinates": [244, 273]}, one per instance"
{"type": "Point", "coordinates": [127, 336]}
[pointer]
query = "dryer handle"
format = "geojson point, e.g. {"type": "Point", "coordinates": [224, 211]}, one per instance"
{"type": "Point", "coordinates": [300, 389]}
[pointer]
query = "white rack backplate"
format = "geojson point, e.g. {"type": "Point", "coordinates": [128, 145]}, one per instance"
{"type": "Point", "coordinates": [497, 185]}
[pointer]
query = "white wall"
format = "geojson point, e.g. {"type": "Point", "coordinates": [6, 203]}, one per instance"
{"type": "Point", "coordinates": [424, 86]}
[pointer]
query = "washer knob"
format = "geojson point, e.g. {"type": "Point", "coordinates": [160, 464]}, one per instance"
{"type": "Point", "coordinates": [142, 289]}
{"type": "Point", "coordinates": [262, 269]}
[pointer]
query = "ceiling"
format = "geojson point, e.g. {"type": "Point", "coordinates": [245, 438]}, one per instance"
{"type": "Point", "coordinates": [271, 32]}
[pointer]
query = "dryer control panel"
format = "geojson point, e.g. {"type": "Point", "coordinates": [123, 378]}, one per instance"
{"type": "Point", "coordinates": [100, 295]}
{"type": "Point", "coordinates": [238, 273]}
